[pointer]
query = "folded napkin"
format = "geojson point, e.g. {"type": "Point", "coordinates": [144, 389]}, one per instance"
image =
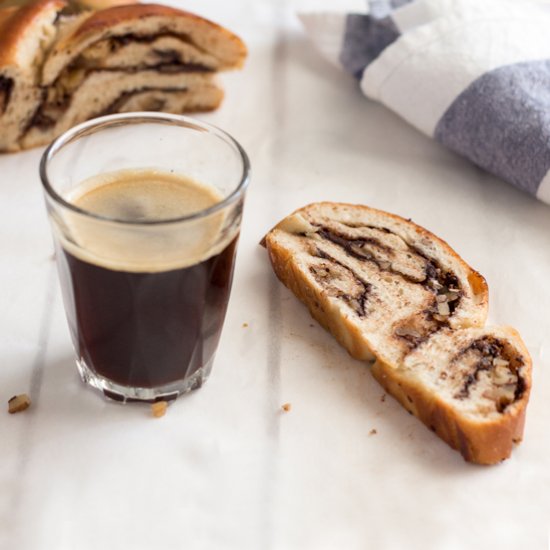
{"type": "Point", "coordinates": [472, 74]}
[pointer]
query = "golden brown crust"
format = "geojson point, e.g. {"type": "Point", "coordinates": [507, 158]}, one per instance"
{"type": "Point", "coordinates": [5, 15]}
{"type": "Point", "coordinates": [107, 18]}
{"type": "Point", "coordinates": [16, 22]}
{"type": "Point", "coordinates": [100, 4]}
{"type": "Point", "coordinates": [101, 21]}
{"type": "Point", "coordinates": [478, 441]}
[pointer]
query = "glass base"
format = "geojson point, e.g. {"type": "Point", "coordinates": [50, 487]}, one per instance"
{"type": "Point", "coordinates": [126, 394]}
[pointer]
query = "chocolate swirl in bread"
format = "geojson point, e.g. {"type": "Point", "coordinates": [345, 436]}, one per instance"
{"type": "Point", "coordinates": [6, 86]}
{"type": "Point", "coordinates": [388, 289]}
{"type": "Point", "coordinates": [392, 255]}
{"type": "Point", "coordinates": [416, 284]}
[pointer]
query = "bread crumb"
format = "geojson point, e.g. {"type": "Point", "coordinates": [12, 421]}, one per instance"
{"type": "Point", "coordinates": [159, 408]}
{"type": "Point", "coordinates": [373, 432]}
{"type": "Point", "coordinates": [286, 407]}
{"type": "Point", "coordinates": [19, 403]}
{"type": "Point", "coordinates": [383, 398]}
{"type": "Point", "coordinates": [245, 325]}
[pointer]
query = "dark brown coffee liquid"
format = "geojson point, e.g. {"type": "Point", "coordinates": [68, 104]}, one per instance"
{"type": "Point", "coordinates": [147, 329]}
{"type": "Point", "coordinates": [146, 304]}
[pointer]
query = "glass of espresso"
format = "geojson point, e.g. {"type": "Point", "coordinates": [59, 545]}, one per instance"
{"type": "Point", "coordinates": [145, 210]}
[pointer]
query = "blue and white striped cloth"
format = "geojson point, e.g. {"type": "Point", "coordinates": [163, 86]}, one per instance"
{"type": "Point", "coordinates": [472, 74]}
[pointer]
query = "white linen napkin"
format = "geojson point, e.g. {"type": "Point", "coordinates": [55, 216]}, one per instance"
{"type": "Point", "coordinates": [472, 74]}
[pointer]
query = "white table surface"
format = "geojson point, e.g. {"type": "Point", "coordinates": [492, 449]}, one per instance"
{"type": "Point", "coordinates": [226, 468]}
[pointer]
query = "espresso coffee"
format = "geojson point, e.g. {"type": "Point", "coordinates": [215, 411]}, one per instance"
{"type": "Point", "coordinates": [146, 300]}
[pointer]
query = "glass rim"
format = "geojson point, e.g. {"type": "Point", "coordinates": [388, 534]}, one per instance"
{"type": "Point", "coordinates": [109, 121]}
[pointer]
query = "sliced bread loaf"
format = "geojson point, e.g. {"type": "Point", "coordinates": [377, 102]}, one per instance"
{"type": "Point", "coordinates": [59, 67]}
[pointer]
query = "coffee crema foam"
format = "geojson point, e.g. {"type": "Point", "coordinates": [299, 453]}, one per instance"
{"type": "Point", "coordinates": [144, 195]}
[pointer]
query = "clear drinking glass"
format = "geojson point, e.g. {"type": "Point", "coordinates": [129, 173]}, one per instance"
{"type": "Point", "coordinates": [145, 300]}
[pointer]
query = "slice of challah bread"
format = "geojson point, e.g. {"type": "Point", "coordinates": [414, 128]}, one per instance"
{"type": "Point", "coordinates": [97, 62]}
{"type": "Point", "coordinates": [387, 289]}
{"type": "Point", "coordinates": [193, 41]}
{"type": "Point", "coordinates": [120, 88]}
